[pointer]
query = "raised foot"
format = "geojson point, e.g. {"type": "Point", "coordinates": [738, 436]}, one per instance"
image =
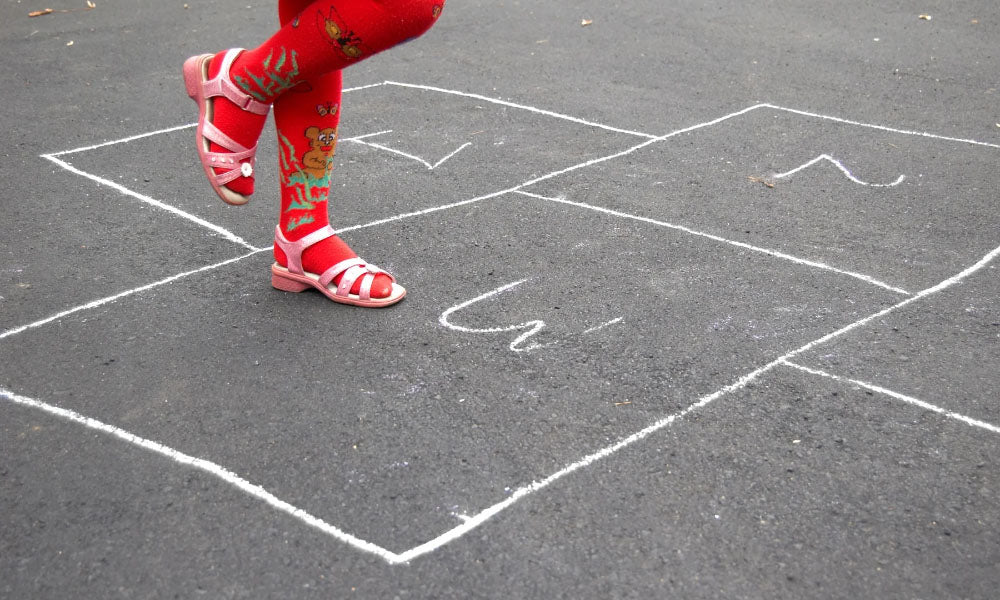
{"type": "Point", "coordinates": [228, 163]}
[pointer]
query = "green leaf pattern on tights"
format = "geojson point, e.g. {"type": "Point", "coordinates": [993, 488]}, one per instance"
{"type": "Point", "coordinates": [271, 82]}
{"type": "Point", "coordinates": [309, 191]}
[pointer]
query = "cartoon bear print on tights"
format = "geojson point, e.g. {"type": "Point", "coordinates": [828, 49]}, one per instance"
{"type": "Point", "coordinates": [318, 161]}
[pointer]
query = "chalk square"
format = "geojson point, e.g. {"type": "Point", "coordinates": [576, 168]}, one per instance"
{"type": "Point", "coordinates": [398, 455]}
{"type": "Point", "coordinates": [722, 179]}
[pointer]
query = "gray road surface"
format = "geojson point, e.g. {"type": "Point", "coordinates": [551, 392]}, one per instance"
{"type": "Point", "coordinates": [703, 304]}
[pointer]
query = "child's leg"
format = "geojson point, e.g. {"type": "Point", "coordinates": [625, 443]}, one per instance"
{"type": "Point", "coordinates": [307, 120]}
{"type": "Point", "coordinates": [325, 36]}
{"type": "Point", "coordinates": [329, 35]}
{"type": "Point", "coordinates": [307, 124]}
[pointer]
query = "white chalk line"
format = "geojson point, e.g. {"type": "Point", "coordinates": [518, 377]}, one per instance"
{"type": "Point", "coordinates": [358, 138]}
{"type": "Point", "coordinates": [393, 151]}
{"type": "Point", "coordinates": [710, 123]}
{"type": "Point", "coordinates": [766, 251]}
{"type": "Point", "coordinates": [140, 136]}
{"type": "Point", "coordinates": [126, 293]}
{"type": "Point", "coordinates": [426, 163]}
{"type": "Point", "coordinates": [121, 141]}
{"type": "Point", "coordinates": [206, 466]}
{"type": "Point", "coordinates": [625, 152]}
{"type": "Point", "coordinates": [519, 494]}
{"type": "Point", "coordinates": [418, 213]}
{"type": "Point", "coordinates": [908, 399]}
{"type": "Point", "coordinates": [880, 127]}
{"type": "Point", "coordinates": [232, 237]}
{"type": "Point", "coordinates": [604, 325]}
{"type": "Point", "coordinates": [532, 327]}
{"type": "Point", "coordinates": [843, 170]}
{"type": "Point", "coordinates": [524, 491]}
{"type": "Point", "coordinates": [547, 113]}
{"type": "Point", "coordinates": [450, 156]}
{"type": "Point", "coordinates": [363, 87]}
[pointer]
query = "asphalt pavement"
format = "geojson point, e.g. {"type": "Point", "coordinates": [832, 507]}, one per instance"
{"type": "Point", "coordinates": [703, 303]}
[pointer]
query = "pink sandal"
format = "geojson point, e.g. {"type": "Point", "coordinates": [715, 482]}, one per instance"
{"type": "Point", "coordinates": [239, 161]}
{"type": "Point", "coordinates": [295, 279]}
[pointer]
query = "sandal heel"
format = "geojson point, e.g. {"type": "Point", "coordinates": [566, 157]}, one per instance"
{"type": "Point", "coordinates": [288, 285]}
{"type": "Point", "coordinates": [192, 76]}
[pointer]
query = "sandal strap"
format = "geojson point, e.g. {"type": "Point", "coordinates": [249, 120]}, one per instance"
{"type": "Point", "coordinates": [213, 134]}
{"type": "Point", "coordinates": [367, 273]}
{"type": "Point", "coordinates": [245, 169]}
{"type": "Point", "coordinates": [331, 273]}
{"type": "Point", "coordinates": [228, 158]}
{"type": "Point", "coordinates": [222, 85]}
{"type": "Point", "coordinates": [228, 165]}
{"type": "Point", "coordinates": [350, 276]}
{"type": "Point", "coordinates": [365, 293]}
{"type": "Point", "coordinates": [293, 250]}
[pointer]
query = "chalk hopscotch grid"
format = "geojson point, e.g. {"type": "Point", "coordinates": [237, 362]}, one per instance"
{"type": "Point", "coordinates": [361, 139]}
{"type": "Point", "coordinates": [54, 157]}
{"type": "Point", "coordinates": [472, 522]}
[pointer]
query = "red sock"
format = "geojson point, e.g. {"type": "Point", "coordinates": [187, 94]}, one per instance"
{"type": "Point", "coordinates": [315, 39]}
